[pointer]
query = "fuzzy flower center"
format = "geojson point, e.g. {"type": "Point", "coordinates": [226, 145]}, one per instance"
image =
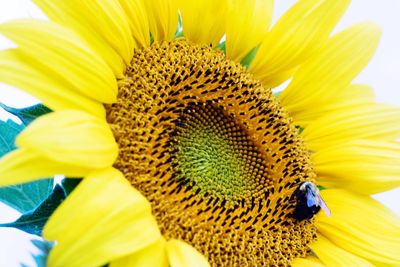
{"type": "Point", "coordinates": [214, 153]}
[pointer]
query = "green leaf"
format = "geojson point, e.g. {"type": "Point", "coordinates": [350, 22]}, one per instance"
{"type": "Point", "coordinates": [28, 114]}
{"type": "Point", "coordinates": [69, 184]}
{"type": "Point", "coordinates": [26, 197]}
{"type": "Point", "coordinates": [8, 132]}
{"type": "Point", "coordinates": [43, 245]}
{"type": "Point", "coordinates": [44, 250]}
{"type": "Point", "coordinates": [40, 260]}
{"type": "Point", "coordinates": [23, 197]}
{"type": "Point", "coordinates": [246, 61]}
{"type": "Point", "coordinates": [33, 222]}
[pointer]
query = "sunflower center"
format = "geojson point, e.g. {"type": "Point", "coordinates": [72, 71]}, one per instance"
{"type": "Point", "coordinates": [214, 153]}
{"type": "Point", "coordinates": [215, 156]}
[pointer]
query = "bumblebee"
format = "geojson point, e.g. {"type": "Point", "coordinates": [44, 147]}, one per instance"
{"type": "Point", "coordinates": [308, 202]}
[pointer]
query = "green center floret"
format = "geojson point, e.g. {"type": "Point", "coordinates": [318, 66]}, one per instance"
{"type": "Point", "coordinates": [214, 154]}
{"type": "Point", "coordinates": [211, 162]}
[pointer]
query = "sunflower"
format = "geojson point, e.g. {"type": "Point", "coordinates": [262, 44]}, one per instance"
{"type": "Point", "coordinates": [189, 158]}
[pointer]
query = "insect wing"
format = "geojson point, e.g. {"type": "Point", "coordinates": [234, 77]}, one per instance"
{"type": "Point", "coordinates": [311, 199]}
{"type": "Point", "coordinates": [323, 206]}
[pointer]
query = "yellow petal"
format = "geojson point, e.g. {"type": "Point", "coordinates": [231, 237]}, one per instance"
{"type": "Point", "coordinates": [377, 121]}
{"type": "Point", "coordinates": [108, 19]}
{"type": "Point", "coordinates": [61, 53]}
{"type": "Point", "coordinates": [64, 13]}
{"type": "Point", "coordinates": [163, 18]}
{"type": "Point", "coordinates": [332, 255]}
{"type": "Point", "coordinates": [300, 32]}
{"type": "Point", "coordinates": [352, 97]}
{"type": "Point", "coordinates": [211, 14]}
{"type": "Point", "coordinates": [276, 80]}
{"type": "Point", "coordinates": [247, 24]}
{"type": "Point", "coordinates": [16, 71]}
{"type": "Point", "coordinates": [362, 226]}
{"type": "Point", "coordinates": [23, 165]}
{"type": "Point", "coordinates": [103, 219]}
{"type": "Point", "coordinates": [364, 166]}
{"type": "Point", "coordinates": [331, 69]}
{"type": "Point", "coordinates": [72, 137]}
{"type": "Point", "coordinates": [138, 21]}
{"type": "Point", "coordinates": [307, 262]}
{"type": "Point", "coordinates": [181, 254]}
{"type": "Point", "coordinates": [379, 264]}
{"type": "Point", "coordinates": [154, 255]}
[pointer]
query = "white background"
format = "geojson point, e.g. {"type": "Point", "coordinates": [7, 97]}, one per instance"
{"type": "Point", "coordinates": [383, 73]}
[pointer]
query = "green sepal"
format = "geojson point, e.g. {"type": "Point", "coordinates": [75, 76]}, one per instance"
{"type": "Point", "coordinates": [222, 46]}
{"type": "Point", "coordinates": [277, 94]}
{"type": "Point", "coordinates": [179, 30]}
{"type": "Point", "coordinates": [28, 114]}
{"type": "Point", "coordinates": [299, 129]}
{"type": "Point", "coordinates": [151, 39]}
{"type": "Point", "coordinates": [178, 35]}
{"type": "Point", "coordinates": [320, 187]}
{"type": "Point", "coordinates": [33, 222]}
{"type": "Point", "coordinates": [23, 197]}
{"type": "Point", "coordinates": [248, 59]}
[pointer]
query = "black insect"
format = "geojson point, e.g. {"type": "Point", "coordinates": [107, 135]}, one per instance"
{"type": "Point", "coordinates": [308, 202]}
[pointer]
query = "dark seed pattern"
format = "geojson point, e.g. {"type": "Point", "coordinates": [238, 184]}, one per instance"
{"type": "Point", "coordinates": [214, 153]}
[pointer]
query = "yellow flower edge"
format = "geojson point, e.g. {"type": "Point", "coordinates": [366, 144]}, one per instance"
{"type": "Point", "coordinates": [73, 63]}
